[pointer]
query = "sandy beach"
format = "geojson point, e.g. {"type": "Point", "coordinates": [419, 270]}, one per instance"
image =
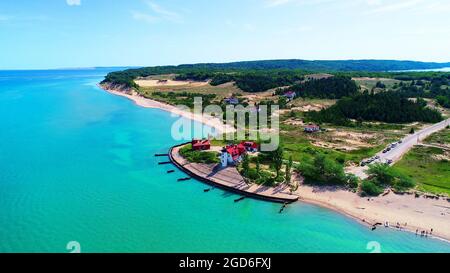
{"type": "Point", "coordinates": [149, 103]}
{"type": "Point", "coordinates": [411, 213]}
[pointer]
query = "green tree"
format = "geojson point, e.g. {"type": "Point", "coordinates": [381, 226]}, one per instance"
{"type": "Point", "coordinates": [352, 181]}
{"type": "Point", "coordinates": [277, 158]}
{"type": "Point", "coordinates": [245, 165]}
{"type": "Point", "coordinates": [323, 170]}
{"type": "Point", "coordinates": [371, 188]}
{"type": "Point", "coordinates": [282, 102]}
{"type": "Point", "coordinates": [258, 165]}
{"type": "Point", "coordinates": [289, 170]}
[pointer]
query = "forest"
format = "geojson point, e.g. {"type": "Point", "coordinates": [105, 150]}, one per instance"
{"type": "Point", "coordinates": [256, 76]}
{"type": "Point", "coordinates": [390, 107]}
{"type": "Point", "coordinates": [327, 88]}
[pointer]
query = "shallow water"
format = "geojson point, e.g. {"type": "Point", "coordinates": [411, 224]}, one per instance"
{"type": "Point", "coordinates": [77, 164]}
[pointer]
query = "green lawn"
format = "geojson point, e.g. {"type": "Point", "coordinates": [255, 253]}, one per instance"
{"type": "Point", "coordinates": [431, 174]}
{"type": "Point", "coordinates": [205, 157]}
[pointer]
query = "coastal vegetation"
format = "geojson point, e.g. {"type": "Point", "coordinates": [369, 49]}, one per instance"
{"type": "Point", "coordinates": [326, 88]}
{"type": "Point", "coordinates": [429, 166]}
{"type": "Point", "coordinates": [257, 76]}
{"type": "Point", "coordinates": [199, 156]}
{"type": "Point", "coordinates": [387, 107]}
{"type": "Point", "coordinates": [266, 168]}
{"type": "Point", "coordinates": [325, 171]}
{"type": "Point", "coordinates": [381, 176]}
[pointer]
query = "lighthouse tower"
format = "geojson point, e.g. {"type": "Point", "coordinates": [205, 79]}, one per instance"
{"type": "Point", "coordinates": [224, 158]}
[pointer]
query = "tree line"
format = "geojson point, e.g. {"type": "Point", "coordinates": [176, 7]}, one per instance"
{"type": "Point", "coordinates": [326, 88]}
{"type": "Point", "coordinates": [390, 107]}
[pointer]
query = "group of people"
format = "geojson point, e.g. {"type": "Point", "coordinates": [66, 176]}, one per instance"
{"type": "Point", "coordinates": [424, 233]}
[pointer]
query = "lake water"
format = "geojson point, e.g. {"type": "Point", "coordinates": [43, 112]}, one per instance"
{"type": "Point", "coordinates": [445, 69]}
{"type": "Point", "coordinates": [77, 164]}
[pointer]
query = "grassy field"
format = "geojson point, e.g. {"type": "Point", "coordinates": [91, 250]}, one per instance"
{"type": "Point", "coordinates": [369, 83]}
{"type": "Point", "coordinates": [221, 91]}
{"type": "Point", "coordinates": [343, 144]}
{"type": "Point", "coordinates": [432, 174]}
{"type": "Point", "coordinates": [441, 137]}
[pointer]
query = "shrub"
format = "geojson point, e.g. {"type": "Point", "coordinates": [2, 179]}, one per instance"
{"type": "Point", "coordinates": [252, 174]}
{"type": "Point", "coordinates": [341, 159]}
{"type": "Point", "coordinates": [352, 181]}
{"type": "Point", "coordinates": [371, 188]}
{"type": "Point", "coordinates": [403, 183]}
{"type": "Point", "coordinates": [323, 170]}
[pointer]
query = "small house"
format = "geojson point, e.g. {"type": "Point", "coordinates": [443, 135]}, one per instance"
{"type": "Point", "coordinates": [312, 128]}
{"type": "Point", "coordinates": [201, 145]}
{"type": "Point", "coordinates": [232, 100]}
{"type": "Point", "coordinates": [290, 95]}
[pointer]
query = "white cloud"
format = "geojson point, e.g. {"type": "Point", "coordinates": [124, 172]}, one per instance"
{"type": "Point", "coordinates": [139, 16]}
{"type": "Point", "coordinates": [397, 6]}
{"type": "Point", "coordinates": [73, 2]}
{"type": "Point", "coordinates": [164, 13]}
{"type": "Point", "coordinates": [156, 13]}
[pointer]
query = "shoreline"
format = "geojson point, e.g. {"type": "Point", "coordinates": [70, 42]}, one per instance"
{"type": "Point", "coordinates": [392, 208]}
{"type": "Point", "coordinates": [340, 201]}
{"type": "Point", "coordinates": [139, 100]}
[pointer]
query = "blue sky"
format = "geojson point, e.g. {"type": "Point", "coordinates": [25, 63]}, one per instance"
{"type": "Point", "coordinates": [85, 33]}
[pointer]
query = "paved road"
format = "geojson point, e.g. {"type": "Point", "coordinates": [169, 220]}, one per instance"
{"type": "Point", "coordinates": [407, 143]}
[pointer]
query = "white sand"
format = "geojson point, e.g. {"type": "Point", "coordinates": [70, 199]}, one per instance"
{"type": "Point", "coordinates": [418, 213]}
{"type": "Point", "coordinates": [149, 103]}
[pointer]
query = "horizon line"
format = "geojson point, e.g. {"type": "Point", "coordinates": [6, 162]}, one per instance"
{"type": "Point", "coordinates": [223, 62]}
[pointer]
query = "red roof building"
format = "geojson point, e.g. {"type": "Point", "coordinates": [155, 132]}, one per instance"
{"type": "Point", "coordinates": [201, 145]}
{"type": "Point", "coordinates": [311, 128]}
{"type": "Point", "coordinates": [235, 151]}
{"type": "Point", "coordinates": [250, 146]}
{"type": "Point", "coordinates": [290, 95]}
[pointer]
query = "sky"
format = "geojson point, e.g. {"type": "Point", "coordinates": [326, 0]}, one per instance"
{"type": "Point", "coordinates": [43, 34]}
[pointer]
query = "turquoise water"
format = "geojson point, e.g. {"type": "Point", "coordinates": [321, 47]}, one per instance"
{"type": "Point", "coordinates": [76, 164]}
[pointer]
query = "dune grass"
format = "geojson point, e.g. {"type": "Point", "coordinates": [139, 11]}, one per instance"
{"type": "Point", "coordinates": [430, 173]}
